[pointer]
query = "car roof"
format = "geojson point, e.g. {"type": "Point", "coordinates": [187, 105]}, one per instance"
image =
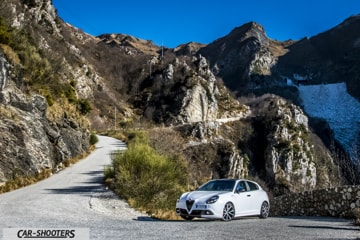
{"type": "Point", "coordinates": [234, 179]}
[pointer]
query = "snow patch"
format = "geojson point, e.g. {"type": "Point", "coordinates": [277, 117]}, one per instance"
{"type": "Point", "coordinates": [342, 112]}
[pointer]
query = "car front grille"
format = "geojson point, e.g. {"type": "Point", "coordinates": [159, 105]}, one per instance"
{"type": "Point", "coordinates": [189, 204]}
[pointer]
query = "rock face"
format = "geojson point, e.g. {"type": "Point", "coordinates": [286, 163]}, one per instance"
{"type": "Point", "coordinates": [186, 91]}
{"type": "Point", "coordinates": [272, 142]}
{"type": "Point", "coordinates": [239, 55]}
{"type": "Point", "coordinates": [199, 103]}
{"type": "Point", "coordinates": [289, 157]}
{"type": "Point", "coordinates": [30, 142]}
{"type": "Point", "coordinates": [34, 136]}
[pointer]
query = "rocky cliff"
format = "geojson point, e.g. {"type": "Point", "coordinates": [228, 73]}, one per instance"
{"type": "Point", "coordinates": [242, 56]}
{"type": "Point", "coordinates": [30, 141]}
{"type": "Point", "coordinates": [37, 131]}
{"type": "Point", "coordinates": [272, 143]}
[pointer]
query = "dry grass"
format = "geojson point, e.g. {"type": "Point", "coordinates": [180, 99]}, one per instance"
{"type": "Point", "coordinates": [62, 107]}
{"type": "Point", "coordinates": [165, 215]}
{"type": "Point", "coordinates": [10, 54]}
{"type": "Point", "coordinates": [22, 181]}
{"type": "Point", "coordinates": [116, 134]}
{"type": "Point", "coordinates": [166, 141]}
{"type": "Point", "coordinates": [9, 112]}
{"type": "Point", "coordinates": [278, 48]}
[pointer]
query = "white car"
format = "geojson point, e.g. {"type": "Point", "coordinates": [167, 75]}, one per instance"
{"type": "Point", "coordinates": [224, 199]}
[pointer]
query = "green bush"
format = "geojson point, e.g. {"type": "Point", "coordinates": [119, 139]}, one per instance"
{"type": "Point", "coordinates": [70, 93]}
{"type": "Point", "coordinates": [84, 106]}
{"type": "Point", "coordinates": [93, 139]}
{"type": "Point", "coordinates": [49, 99]}
{"type": "Point", "coordinates": [4, 32]}
{"type": "Point", "coordinates": [148, 180]}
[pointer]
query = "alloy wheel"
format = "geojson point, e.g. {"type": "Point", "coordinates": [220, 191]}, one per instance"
{"type": "Point", "coordinates": [228, 212]}
{"type": "Point", "coordinates": [264, 210]}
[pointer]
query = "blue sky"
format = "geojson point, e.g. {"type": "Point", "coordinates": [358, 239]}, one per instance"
{"type": "Point", "coordinates": [176, 22]}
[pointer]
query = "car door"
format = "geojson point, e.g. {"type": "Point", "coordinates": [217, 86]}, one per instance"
{"type": "Point", "coordinates": [255, 196]}
{"type": "Point", "coordinates": [243, 205]}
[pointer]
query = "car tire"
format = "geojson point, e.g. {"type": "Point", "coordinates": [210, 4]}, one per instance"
{"type": "Point", "coordinates": [187, 218]}
{"type": "Point", "coordinates": [264, 210]}
{"type": "Point", "coordinates": [228, 212]}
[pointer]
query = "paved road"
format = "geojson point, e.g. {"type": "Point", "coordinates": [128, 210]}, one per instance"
{"type": "Point", "coordinates": [75, 198]}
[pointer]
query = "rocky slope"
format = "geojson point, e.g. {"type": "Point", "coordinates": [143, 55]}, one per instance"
{"type": "Point", "coordinates": [58, 83]}
{"type": "Point", "coordinates": [34, 135]}
{"type": "Point", "coordinates": [30, 141]}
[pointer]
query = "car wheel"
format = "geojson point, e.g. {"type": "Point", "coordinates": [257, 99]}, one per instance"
{"type": "Point", "coordinates": [187, 218]}
{"type": "Point", "coordinates": [264, 210]}
{"type": "Point", "coordinates": [228, 212]}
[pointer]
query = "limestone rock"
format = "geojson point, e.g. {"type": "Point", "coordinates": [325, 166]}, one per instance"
{"type": "Point", "coordinates": [29, 141]}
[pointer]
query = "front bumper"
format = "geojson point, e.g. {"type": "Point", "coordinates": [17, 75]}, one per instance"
{"type": "Point", "coordinates": [194, 213]}
{"type": "Point", "coordinates": [197, 209]}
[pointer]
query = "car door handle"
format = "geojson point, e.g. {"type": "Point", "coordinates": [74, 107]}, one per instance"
{"type": "Point", "coordinates": [248, 195]}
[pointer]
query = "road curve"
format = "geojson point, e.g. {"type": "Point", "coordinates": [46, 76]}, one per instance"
{"type": "Point", "coordinates": [76, 198]}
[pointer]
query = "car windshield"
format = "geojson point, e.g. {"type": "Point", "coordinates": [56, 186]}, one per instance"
{"type": "Point", "coordinates": [218, 185]}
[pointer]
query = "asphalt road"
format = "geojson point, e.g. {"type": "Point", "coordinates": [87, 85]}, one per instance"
{"type": "Point", "coordinates": [74, 198]}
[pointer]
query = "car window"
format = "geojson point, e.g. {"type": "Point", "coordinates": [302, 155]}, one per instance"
{"type": "Point", "coordinates": [241, 187]}
{"type": "Point", "coordinates": [253, 186]}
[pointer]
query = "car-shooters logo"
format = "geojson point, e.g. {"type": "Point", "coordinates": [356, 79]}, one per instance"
{"type": "Point", "coordinates": [46, 233]}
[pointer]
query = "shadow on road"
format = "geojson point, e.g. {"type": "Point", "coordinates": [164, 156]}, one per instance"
{"type": "Point", "coordinates": [119, 144]}
{"type": "Point", "coordinates": [87, 188]}
{"type": "Point", "coordinates": [349, 228]}
{"type": "Point", "coordinates": [82, 190]}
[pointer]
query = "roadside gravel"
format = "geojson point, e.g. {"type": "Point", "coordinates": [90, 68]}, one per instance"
{"type": "Point", "coordinates": [108, 203]}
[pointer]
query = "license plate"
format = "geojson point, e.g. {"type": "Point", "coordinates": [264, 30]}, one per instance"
{"type": "Point", "coordinates": [201, 206]}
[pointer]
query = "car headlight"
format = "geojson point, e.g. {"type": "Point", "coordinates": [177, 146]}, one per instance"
{"type": "Point", "coordinates": [212, 199]}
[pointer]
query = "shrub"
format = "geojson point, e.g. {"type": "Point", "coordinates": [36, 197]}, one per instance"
{"type": "Point", "coordinates": [70, 93]}
{"type": "Point", "coordinates": [148, 180]}
{"type": "Point", "coordinates": [84, 106]}
{"type": "Point", "coordinates": [93, 139]}
{"type": "Point", "coordinates": [4, 32]}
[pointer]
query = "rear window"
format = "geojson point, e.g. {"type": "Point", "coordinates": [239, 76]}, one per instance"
{"type": "Point", "coordinates": [253, 186]}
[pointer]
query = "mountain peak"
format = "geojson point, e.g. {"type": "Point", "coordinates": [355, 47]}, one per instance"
{"type": "Point", "coordinates": [250, 26]}
{"type": "Point", "coordinates": [127, 41]}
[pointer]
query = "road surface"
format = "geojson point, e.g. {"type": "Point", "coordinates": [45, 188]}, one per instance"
{"type": "Point", "coordinates": [76, 198]}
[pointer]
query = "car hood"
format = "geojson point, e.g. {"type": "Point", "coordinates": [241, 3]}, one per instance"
{"type": "Point", "coordinates": [201, 195]}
